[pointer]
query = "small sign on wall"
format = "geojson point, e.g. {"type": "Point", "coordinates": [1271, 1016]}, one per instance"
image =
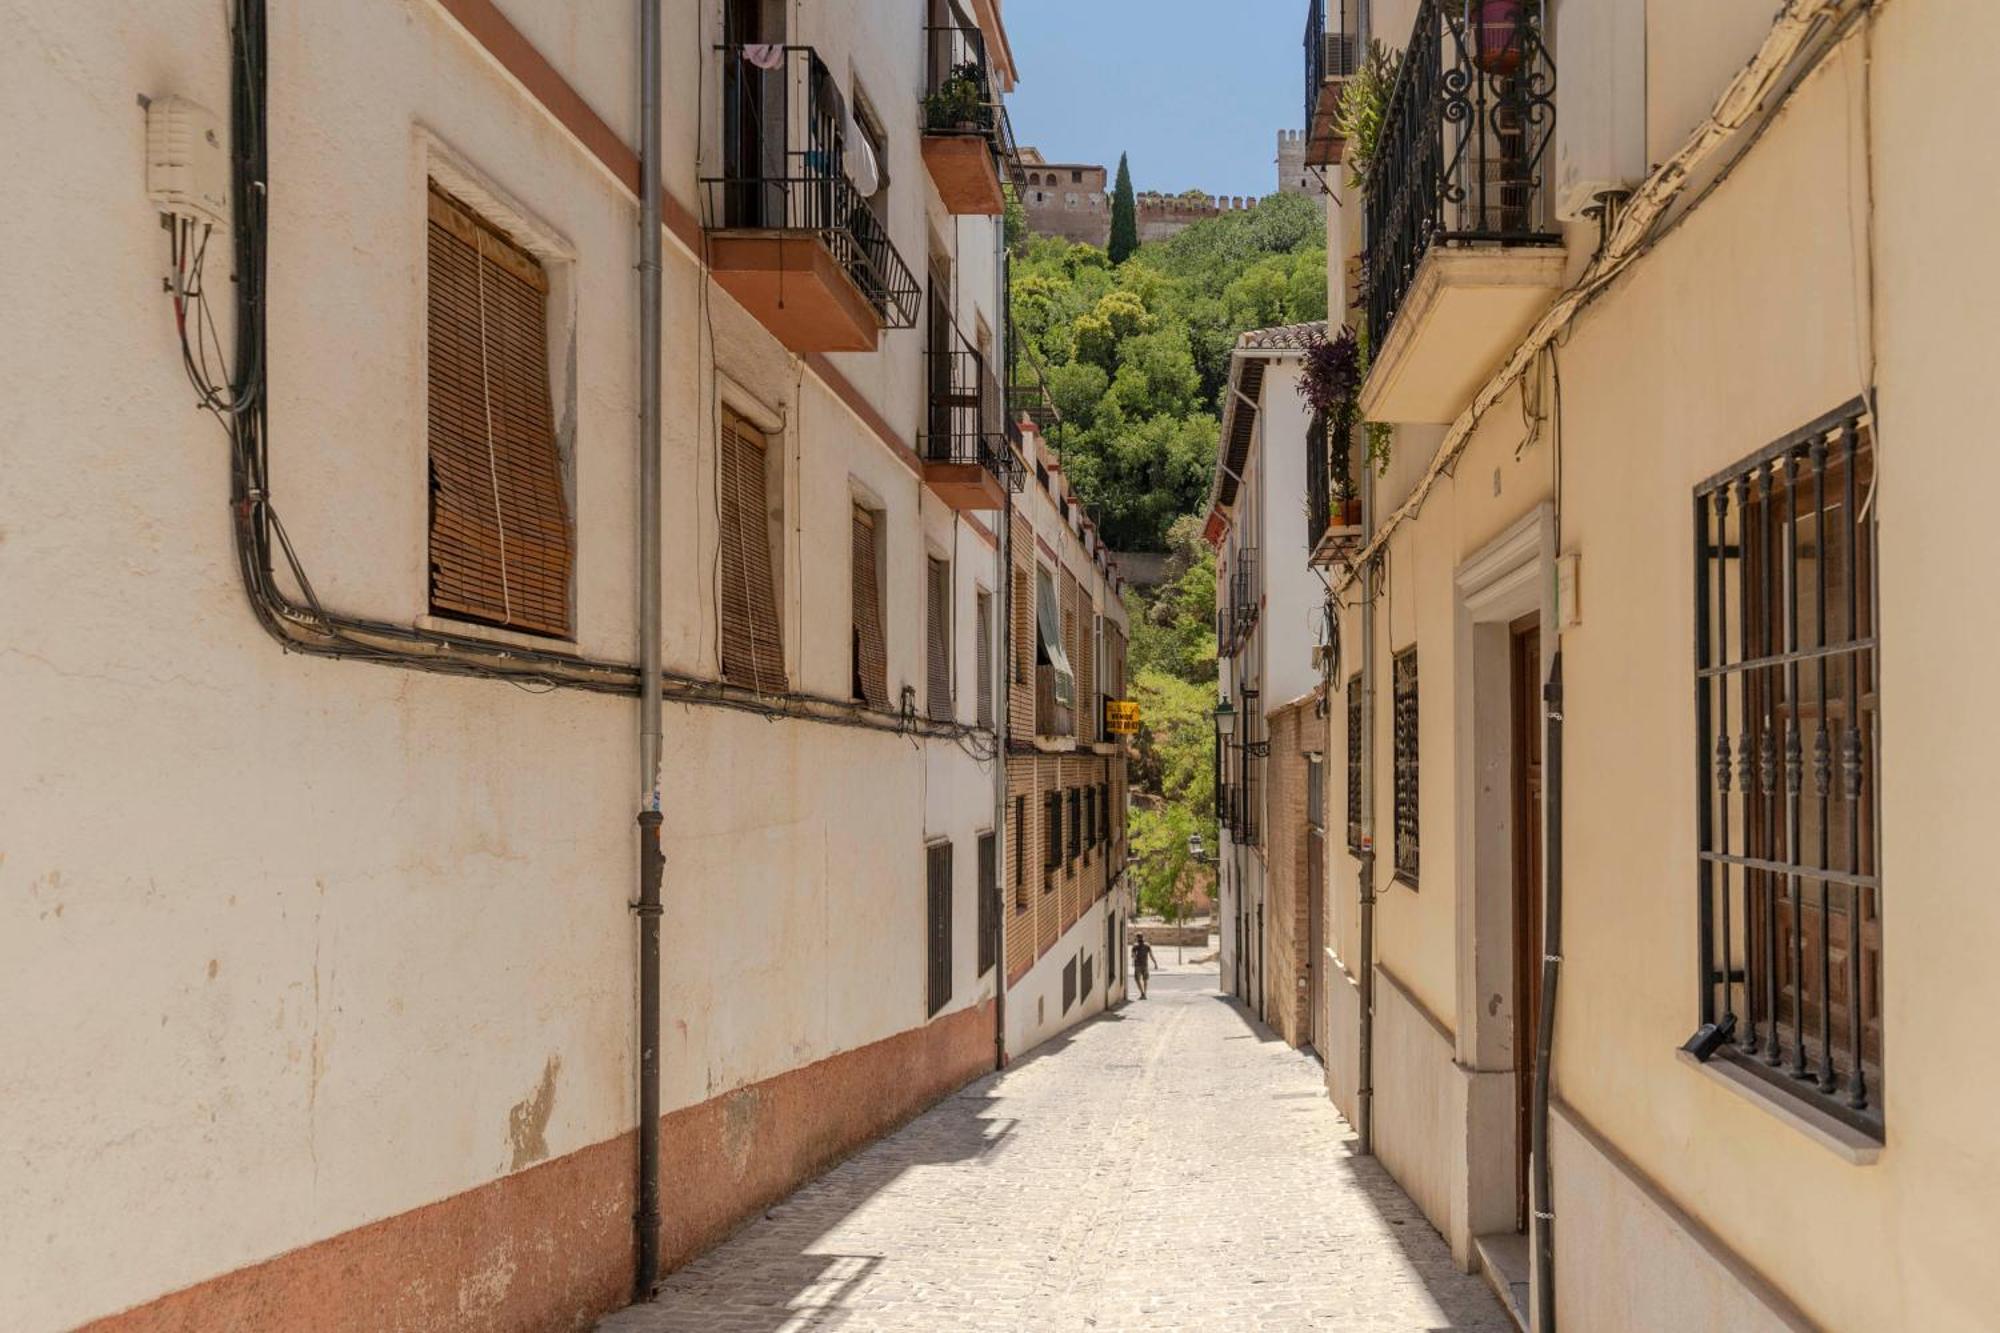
{"type": "Point", "coordinates": [1121, 717]}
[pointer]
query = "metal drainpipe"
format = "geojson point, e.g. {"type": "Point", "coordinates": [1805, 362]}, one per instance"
{"type": "Point", "coordinates": [646, 1217]}
{"type": "Point", "coordinates": [1543, 1205]}
{"type": "Point", "coordinates": [1364, 1094]}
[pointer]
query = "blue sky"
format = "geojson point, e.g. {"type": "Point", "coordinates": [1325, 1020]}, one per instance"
{"type": "Point", "coordinates": [1194, 90]}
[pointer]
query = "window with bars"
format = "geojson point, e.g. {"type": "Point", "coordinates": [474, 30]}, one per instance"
{"type": "Point", "coordinates": [983, 626]}
{"type": "Point", "coordinates": [501, 542]}
{"type": "Point", "coordinates": [1354, 725]}
{"type": "Point", "coordinates": [1052, 838]}
{"type": "Point", "coordinates": [937, 676]}
{"type": "Point", "coordinates": [1787, 671]}
{"type": "Point", "coordinates": [937, 875]}
{"type": "Point", "coordinates": [871, 654]}
{"type": "Point", "coordinates": [1024, 645]}
{"type": "Point", "coordinates": [1020, 857]}
{"type": "Point", "coordinates": [1075, 823]}
{"type": "Point", "coordinates": [752, 645]}
{"type": "Point", "coordinates": [989, 902]}
{"type": "Point", "coordinates": [1104, 805]}
{"type": "Point", "coordinates": [1315, 792]}
{"type": "Point", "coordinates": [1089, 821]}
{"type": "Point", "coordinates": [1405, 719]}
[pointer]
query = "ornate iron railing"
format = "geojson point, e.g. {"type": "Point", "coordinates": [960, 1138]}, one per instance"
{"type": "Point", "coordinates": [785, 168]}
{"type": "Point", "coordinates": [1464, 144]}
{"type": "Point", "coordinates": [959, 94]}
{"type": "Point", "coordinates": [967, 420]}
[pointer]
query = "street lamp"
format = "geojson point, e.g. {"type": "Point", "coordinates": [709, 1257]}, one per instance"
{"type": "Point", "coordinates": [1225, 718]}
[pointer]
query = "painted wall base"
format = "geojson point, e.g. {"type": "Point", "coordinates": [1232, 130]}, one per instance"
{"type": "Point", "coordinates": [551, 1247]}
{"type": "Point", "coordinates": [1034, 1000]}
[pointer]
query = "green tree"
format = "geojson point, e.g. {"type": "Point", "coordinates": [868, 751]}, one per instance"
{"type": "Point", "coordinates": [1124, 216]}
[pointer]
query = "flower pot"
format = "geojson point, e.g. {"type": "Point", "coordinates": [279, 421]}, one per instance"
{"type": "Point", "coordinates": [1499, 35]}
{"type": "Point", "coordinates": [1350, 513]}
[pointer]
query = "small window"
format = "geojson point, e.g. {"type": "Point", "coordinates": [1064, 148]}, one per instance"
{"type": "Point", "coordinates": [1052, 847]}
{"type": "Point", "coordinates": [1316, 792]}
{"type": "Point", "coordinates": [1089, 821]}
{"type": "Point", "coordinates": [1406, 766]}
{"type": "Point", "coordinates": [937, 686]}
{"type": "Point", "coordinates": [1076, 178]}
{"type": "Point", "coordinates": [1787, 656]}
{"type": "Point", "coordinates": [1069, 985]}
{"type": "Point", "coordinates": [1075, 823]}
{"type": "Point", "coordinates": [1024, 647]}
{"type": "Point", "coordinates": [1019, 849]}
{"type": "Point", "coordinates": [989, 902]}
{"type": "Point", "coordinates": [1104, 805]}
{"type": "Point", "coordinates": [753, 650]}
{"type": "Point", "coordinates": [501, 544]}
{"type": "Point", "coordinates": [983, 627]}
{"type": "Point", "coordinates": [871, 655]}
{"type": "Point", "coordinates": [937, 866]}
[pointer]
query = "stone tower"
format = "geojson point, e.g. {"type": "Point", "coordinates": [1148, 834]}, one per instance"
{"type": "Point", "coordinates": [1293, 178]}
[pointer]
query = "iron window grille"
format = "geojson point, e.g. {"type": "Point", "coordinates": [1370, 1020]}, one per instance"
{"type": "Point", "coordinates": [989, 902]}
{"type": "Point", "coordinates": [1052, 838]}
{"type": "Point", "coordinates": [784, 155]}
{"type": "Point", "coordinates": [1315, 792]}
{"type": "Point", "coordinates": [1354, 725]}
{"type": "Point", "coordinates": [1460, 157]}
{"type": "Point", "coordinates": [937, 858]}
{"type": "Point", "coordinates": [1405, 718]}
{"type": "Point", "coordinates": [1020, 853]}
{"type": "Point", "coordinates": [1786, 703]}
{"type": "Point", "coordinates": [1075, 823]}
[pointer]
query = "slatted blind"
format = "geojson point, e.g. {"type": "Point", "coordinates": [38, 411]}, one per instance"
{"type": "Point", "coordinates": [984, 617]}
{"type": "Point", "coordinates": [989, 902]}
{"type": "Point", "coordinates": [500, 538]}
{"type": "Point", "coordinates": [937, 685]}
{"type": "Point", "coordinates": [938, 892]}
{"type": "Point", "coordinates": [871, 655]}
{"type": "Point", "coordinates": [753, 647]}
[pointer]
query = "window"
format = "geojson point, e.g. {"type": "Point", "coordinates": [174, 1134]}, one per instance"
{"type": "Point", "coordinates": [753, 650]}
{"type": "Point", "coordinates": [1104, 804]}
{"type": "Point", "coordinates": [1354, 725]}
{"type": "Point", "coordinates": [1076, 178]}
{"type": "Point", "coordinates": [1406, 766]}
{"type": "Point", "coordinates": [871, 655]}
{"type": "Point", "coordinates": [983, 627]}
{"type": "Point", "coordinates": [937, 868]}
{"type": "Point", "coordinates": [1049, 639]}
{"type": "Point", "coordinates": [1020, 857]}
{"type": "Point", "coordinates": [1069, 984]}
{"type": "Point", "coordinates": [869, 162]}
{"type": "Point", "coordinates": [1315, 792]}
{"type": "Point", "coordinates": [501, 546]}
{"type": "Point", "coordinates": [1052, 850]}
{"type": "Point", "coordinates": [937, 686]}
{"type": "Point", "coordinates": [1075, 823]}
{"type": "Point", "coordinates": [1089, 821]}
{"type": "Point", "coordinates": [1023, 643]}
{"type": "Point", "coordinates": [989, 902]}
{"type": "Point", "coordinates": [1786, 707]}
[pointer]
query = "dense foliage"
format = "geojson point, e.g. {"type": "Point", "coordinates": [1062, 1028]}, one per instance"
{"type": "Point", "coordinates": [1173, 678]}
{"type": "Point", "coordinates": [1135, 354]}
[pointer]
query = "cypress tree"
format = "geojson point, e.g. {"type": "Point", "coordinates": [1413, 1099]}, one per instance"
{"type": "Point", "coordinates": [1124, 216]}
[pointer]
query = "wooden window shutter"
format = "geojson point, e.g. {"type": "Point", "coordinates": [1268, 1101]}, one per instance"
{"type": "Point", "coordinates": [989, 902]}
{"type": "Point", "coordinates": [984, 628]}
{"type": "Point", "coordinates": [871, 655]}
{"type": "Point", "coordinates": [753, 647]}
{"type": "Point", "coordinates": [500, 538]}
{"type": "Point", "coordinates": [937, 687]}
{"type": "Point", "coordinates": [938, 891]}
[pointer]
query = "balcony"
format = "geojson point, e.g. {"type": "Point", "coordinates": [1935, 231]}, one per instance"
{"type": "Point", "coordinates": [967, 140]}
{"type": "Point", "coordinates": [1333, 503]}
{"type": "Point", "coordinates": [790, 236]}
{"type": "Point", "coordinates": [1462, 251]}
{"type": "Point", "coordinates": [968, 448]}
{"type": "Point", "coordinates": [1236, 613]}
{"type": "Point", "coordinates": [1333, 54]}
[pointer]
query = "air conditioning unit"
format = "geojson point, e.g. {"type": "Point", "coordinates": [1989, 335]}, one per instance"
{"type": "Point", "coordinates": [187, 161]}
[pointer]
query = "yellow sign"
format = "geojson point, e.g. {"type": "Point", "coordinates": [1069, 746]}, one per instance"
{"type": "Point", "coordinates": [1121, 717]}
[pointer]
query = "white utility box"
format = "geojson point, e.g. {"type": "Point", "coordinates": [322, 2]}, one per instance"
{"type": "Point", "coordinates": [187, 161]}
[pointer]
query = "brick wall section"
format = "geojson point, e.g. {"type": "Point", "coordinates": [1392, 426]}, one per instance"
{"type": "Point", "coordinates": [1287, 1001]}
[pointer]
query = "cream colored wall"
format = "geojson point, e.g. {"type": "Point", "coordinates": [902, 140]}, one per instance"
{"type": "Point", "coordinates": [292, 938]}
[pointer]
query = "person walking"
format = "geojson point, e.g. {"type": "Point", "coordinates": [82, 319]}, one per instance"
{"type": "Point", "coordinates": [1142, 962]}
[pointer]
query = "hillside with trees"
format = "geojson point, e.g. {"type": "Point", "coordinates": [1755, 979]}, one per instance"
{"type": "Point", "coordinates": [1135, 354]}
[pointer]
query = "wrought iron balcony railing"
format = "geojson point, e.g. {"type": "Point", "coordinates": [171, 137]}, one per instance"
{"type": "Point", "coordinates": [1332, 504]}
{"type": "Point", "coordinates": [785, 158]}
{"type": "Point", "coordinates": [959, 94]}
{"type": "Point", "coordinates": [1333, 47]}
{"type": "Point", "coordinates": [1464, 143]}
{"type": "Point", "coordinates": [968, 420]}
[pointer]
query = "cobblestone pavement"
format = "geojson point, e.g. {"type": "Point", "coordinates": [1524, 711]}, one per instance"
{"type": "Point", "coordinates": [1170, 1165]}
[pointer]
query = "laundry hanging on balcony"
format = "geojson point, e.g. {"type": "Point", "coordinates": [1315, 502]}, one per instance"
{"type": "Point", "coordinates": [765, 55]}
{"type": "Point", "coordinates": [1049, 621]}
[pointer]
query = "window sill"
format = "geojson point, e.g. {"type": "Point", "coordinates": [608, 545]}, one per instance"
{"type": "Point", "coordinates": [512, 638]}
{"type": "Point", "coordinates": [1842, 1140]}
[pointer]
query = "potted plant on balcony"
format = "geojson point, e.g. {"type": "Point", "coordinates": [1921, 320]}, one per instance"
{"type": "Point", "coordinates": [960, 101]}
{"type": "Point", "coordinates": [1500, 34]}
{"type": "Point", "coordinates": [1364, 105]}
{"type": "Point", "coordinates": [1330, 382]}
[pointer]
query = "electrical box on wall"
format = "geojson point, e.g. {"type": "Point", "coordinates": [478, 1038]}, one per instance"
{"type": "Point", "coordinates": [187, 161]}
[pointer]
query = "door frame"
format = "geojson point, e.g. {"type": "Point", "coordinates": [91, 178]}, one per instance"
{"type": "Point", "coordinates": [1512, 576]}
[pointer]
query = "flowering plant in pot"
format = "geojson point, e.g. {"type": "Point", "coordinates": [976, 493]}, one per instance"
{"type": "Point", "coordinates": [960, 101]}
{"type": "Point", "coordinates": [1330, 382]}
{"type": "Point", "coordinates": [1500, 34]}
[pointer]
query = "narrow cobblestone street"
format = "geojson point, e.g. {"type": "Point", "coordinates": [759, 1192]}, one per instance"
{"type": "Point", "coordinates": [1169, 1165]}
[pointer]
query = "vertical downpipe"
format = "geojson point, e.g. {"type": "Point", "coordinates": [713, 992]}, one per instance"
{"type": "Point", "coordinates": [1543, 1204]}
{"type": "Point", "coordinates": [1364, 1093]}
{"type": "Point", "coordinates": [646, 1217]}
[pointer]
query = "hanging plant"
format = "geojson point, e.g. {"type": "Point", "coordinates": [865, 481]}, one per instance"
{"type": "Point", "coordinates": [1330, 382]}
{"type": "Point", "coordinates": [1364, 106]}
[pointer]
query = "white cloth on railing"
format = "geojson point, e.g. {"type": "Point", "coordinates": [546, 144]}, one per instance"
{"type": "Point", "coordinates": [765, 55]}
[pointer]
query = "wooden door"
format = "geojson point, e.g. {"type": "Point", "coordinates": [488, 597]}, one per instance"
{"type": "Point", "coordinates": [1527, 818]}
